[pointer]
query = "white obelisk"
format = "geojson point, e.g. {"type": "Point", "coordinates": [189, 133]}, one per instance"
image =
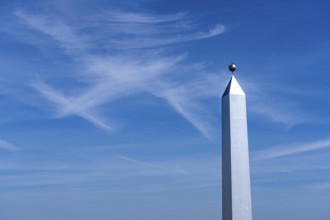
{"type": "Point", "coordinates": [236, 190]}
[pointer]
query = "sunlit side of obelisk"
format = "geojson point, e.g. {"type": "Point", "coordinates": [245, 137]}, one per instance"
{"type": "Point", "coordinates": [236, 190]}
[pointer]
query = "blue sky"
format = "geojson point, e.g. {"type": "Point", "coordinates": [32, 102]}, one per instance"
{"type": "Point", "coordinates": [111, 109]}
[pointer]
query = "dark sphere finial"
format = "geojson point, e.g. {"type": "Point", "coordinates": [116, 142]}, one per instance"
{"type": "Point", "coordinates": [232, 68]}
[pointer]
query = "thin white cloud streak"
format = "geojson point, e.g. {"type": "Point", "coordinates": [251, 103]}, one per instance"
{"type": "Point", "coordinates": [264, 101]}
{"type": "Point", "coordinates": [133, 78]}
{"type": "Point", "coordinates": [64, 35]}
{"type": "Point", "coordinates": [120, 31]}
{"type": "Point", "coordinates": [131, 17]}
{"type": "Point", "coordinates": [281, 111]}
{"type": "Point", "coordinates": [5, 145]}
{"type": "Point", "coordinates": [289, 165]}
{"type": "Point", "coordinates": [151, 165]}
{"type": "Point", "coordinates": [138, 43]}
{"type": "Point", "coordinates": [124, 30]}
{"type": "Point", "coordinates": [131, 81]}
{"type": "Point", "coordinates": [185, 173]}
{"type": "Point", "coordinates": [114, 77]}
{"type": "Point", "coordinates": [184, 100]}
{"type": "Point", "coordinates": [188, 109]}
{"type": "Point", "coordinates": [63, 102]}
{"type": "Point", "coordinates": [288, 150]}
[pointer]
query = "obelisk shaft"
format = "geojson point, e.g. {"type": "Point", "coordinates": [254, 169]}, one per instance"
{"type": "Point", "coordinates": [236, 191]}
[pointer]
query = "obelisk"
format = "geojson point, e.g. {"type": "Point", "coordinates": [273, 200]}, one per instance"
{"type": "Point", "coordinates": [236, 190]}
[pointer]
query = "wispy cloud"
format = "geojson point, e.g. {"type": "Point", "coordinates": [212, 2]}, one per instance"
{"type": "Point", "coordinates": [189, 109]}
{"type": "Point", "coordinates": [276, 103]}
{"type": "Point", "coordinates": [120, 30]}
{"type": "Point", "coordinates": [151, 165]}
{"type": "Point", "coordinates": [112, 77]}
{"type": "Point", "coordinates": [5, 145]}
{"type": "Point", "coordinates": [65, 103]}
{"type": "Point", "coordinates": [138, 43]}
{"type": "Point", "coordinates": [287, 150]}
{"type": "Point", "coordinates": [127, 30]}
{"type": "Point", "coordinates": [179, 172]}
{"type": "Point", "coordinates": [123, 54]}
{"type": "Point", "coordinates": [58, 30]}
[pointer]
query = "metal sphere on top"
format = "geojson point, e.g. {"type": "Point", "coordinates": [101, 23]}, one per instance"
{"type": "Point", "coordinates": [232, 68]}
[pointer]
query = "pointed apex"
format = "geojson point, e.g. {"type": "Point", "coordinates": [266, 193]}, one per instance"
{"type": "Point", "coordinates": [233, 88]}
